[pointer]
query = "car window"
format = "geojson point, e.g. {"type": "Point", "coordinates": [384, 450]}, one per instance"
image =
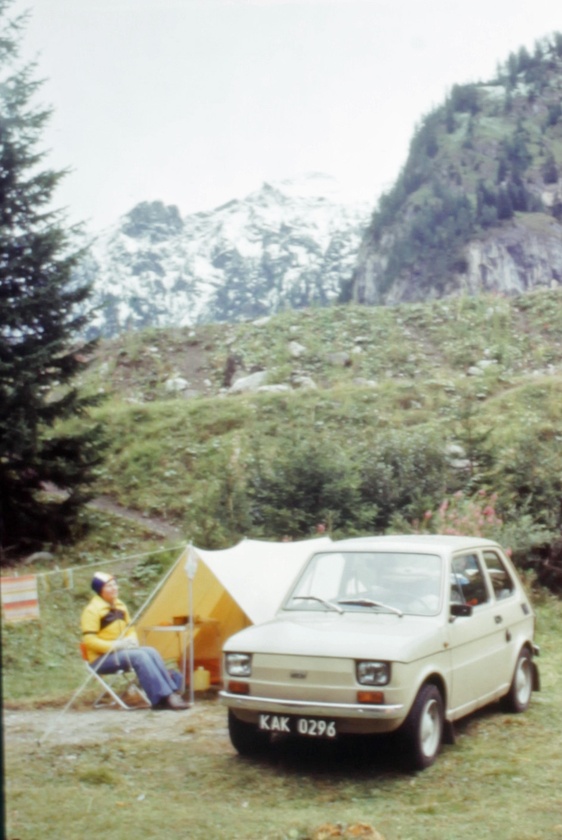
{"type": "Point", "coordinates": [407, 582]}
{"type": "Point", "coordinates": [502, 582]}
{"type": "Point", "coordinates": [468, 585]}
{"type": "Point", "coordinates": [322, 578]}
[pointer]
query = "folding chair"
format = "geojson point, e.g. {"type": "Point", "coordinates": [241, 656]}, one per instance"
{"type": "Point", "coordinates": [109, 696]}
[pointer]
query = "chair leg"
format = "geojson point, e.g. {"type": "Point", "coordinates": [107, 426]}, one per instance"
{"type": "Point", "coordinates": [116, 699]}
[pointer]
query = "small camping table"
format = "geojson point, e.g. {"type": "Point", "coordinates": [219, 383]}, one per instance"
{"type": "Point", "coordinates": [182, 631]}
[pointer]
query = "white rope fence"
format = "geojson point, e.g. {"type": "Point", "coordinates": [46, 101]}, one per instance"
{"type": "Point", "coordinates": [67, 574]}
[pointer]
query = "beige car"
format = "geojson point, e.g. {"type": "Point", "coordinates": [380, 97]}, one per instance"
{"type": "Point", "coordinates": [398, 634]}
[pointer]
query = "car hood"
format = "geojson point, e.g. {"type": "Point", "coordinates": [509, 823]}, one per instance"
{"type": "Point", "coordinates": [350, 635]}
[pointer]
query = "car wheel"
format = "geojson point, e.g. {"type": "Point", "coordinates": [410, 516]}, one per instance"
{"type": "Point", "coordinates": [423, 730]}
{"type": "Point", "coordinates": [245, 737]}
{"type": "Point", "coordinates": [518, 697]}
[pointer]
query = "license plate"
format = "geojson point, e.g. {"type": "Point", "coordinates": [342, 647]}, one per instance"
{"type": "Point", "coordinates": [288, 725]}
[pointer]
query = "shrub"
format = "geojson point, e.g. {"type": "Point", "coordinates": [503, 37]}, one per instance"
{"type": "Point", "coordinates": [402, 472]}
{"type": "Point", "coordinates": [309, 479]}
{"type": "Point", "coordinates": [474, 516]}
{"type": "Point", "coordinates": [477, 515]}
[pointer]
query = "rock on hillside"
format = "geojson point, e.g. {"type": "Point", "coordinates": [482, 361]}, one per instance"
{"type": "Point", "coordinates": [288, 245]}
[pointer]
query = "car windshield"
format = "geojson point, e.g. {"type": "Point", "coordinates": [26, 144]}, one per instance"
{"type": "Point", "coordinates": [400, 583]}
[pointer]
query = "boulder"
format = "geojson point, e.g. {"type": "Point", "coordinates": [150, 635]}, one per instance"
{"type": "Point", "coordinates": [248, 383]}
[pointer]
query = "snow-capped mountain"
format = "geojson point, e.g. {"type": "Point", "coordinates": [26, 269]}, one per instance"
{"type": "Point", "coordinates": [289, 244]}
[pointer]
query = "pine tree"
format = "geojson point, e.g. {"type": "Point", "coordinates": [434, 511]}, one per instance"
{"type": "Point", "coordinates": [41, 316]}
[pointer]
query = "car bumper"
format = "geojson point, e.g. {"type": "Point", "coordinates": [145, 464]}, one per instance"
{"type": "Point", "coordinates": [349, 711]}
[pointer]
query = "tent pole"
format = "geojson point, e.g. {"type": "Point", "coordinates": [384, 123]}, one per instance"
{"type": "Point", "coordinates": [190, 569]}
{"type": "Point", "coordinates": [191, 651]}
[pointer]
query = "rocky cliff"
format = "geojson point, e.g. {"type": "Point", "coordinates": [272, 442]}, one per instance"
{"type": "Point", "coordinates": [516, 258]}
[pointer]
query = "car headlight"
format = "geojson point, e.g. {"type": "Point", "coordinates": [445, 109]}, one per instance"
{"type": "Point", "coordinates": [238, 664]}
{"type": "Point", "coordinates": [373, 673]}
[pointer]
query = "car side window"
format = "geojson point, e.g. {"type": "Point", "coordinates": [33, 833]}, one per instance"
{"type": "Point", "coordinates": [502, 582]}
{"type": "Point", "coordinates": [468, 585]}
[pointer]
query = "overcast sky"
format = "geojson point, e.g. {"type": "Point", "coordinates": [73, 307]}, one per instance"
{"type": "Point", "coordinates": [195, 102]}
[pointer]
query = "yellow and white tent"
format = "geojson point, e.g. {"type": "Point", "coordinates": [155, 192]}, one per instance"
{"type": "Point", "coordinates": [230, 589]}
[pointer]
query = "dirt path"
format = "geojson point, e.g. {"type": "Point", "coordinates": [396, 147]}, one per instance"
{"type": "Point", "coordinates": [204, 726]}
{"type": "Point", "coordinates": [154, 525]}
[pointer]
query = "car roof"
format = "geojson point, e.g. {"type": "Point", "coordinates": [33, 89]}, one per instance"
{"type": "Point", "coordinates": [440, 543]}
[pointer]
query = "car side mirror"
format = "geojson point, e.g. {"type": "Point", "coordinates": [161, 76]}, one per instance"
{"type": "Point", "coordinates": [461, 610]}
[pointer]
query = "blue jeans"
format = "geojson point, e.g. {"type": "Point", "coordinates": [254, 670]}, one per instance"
{"type": "Point", "coordinates": [156, 681]}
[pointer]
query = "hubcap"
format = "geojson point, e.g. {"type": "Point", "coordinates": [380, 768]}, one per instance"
{"type": "Point", "coordinates": [523, 681]}
{"type": "Point", "coordinates": [431, 729]}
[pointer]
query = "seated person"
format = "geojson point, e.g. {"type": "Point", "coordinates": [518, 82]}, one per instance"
{"type": "Point", "coordinates": [111, 645]}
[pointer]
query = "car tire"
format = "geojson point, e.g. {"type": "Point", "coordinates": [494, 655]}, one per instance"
{"type": "Point", "coordinates": [246, 737]}
{"type": "Point", "coordinates": [422, 732]}
{"type": "Point", "coordinates": [518, 698]}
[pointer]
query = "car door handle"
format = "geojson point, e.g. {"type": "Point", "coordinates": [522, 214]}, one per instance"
{"type": "Point", "coordinates": [498, 619]}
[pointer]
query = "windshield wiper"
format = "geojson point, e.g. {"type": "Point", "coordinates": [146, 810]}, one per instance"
{"type": "Point", "coordinates": [366, 602]}
{"type": "Point", "coordinates": [329, 604]}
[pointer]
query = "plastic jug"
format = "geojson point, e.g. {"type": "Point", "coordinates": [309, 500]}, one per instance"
{"type": "Point", "coordinates": [201, 679]}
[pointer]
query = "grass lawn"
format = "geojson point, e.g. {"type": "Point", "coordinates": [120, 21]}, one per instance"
{"type": "Point", "coordinates": [168, 775]}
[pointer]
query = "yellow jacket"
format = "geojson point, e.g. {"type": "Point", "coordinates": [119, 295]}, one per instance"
{"type": "Point", "coordinates": [102, 624]}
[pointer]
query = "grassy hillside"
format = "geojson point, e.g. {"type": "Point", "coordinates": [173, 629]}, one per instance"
{"type": "Point", "coordinates": [386, 412]}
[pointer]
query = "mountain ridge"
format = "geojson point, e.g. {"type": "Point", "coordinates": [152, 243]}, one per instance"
{"type": "Point", "coordinates": [285, 245]}
{"type": "Point", "coordinates": [477, 208]}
